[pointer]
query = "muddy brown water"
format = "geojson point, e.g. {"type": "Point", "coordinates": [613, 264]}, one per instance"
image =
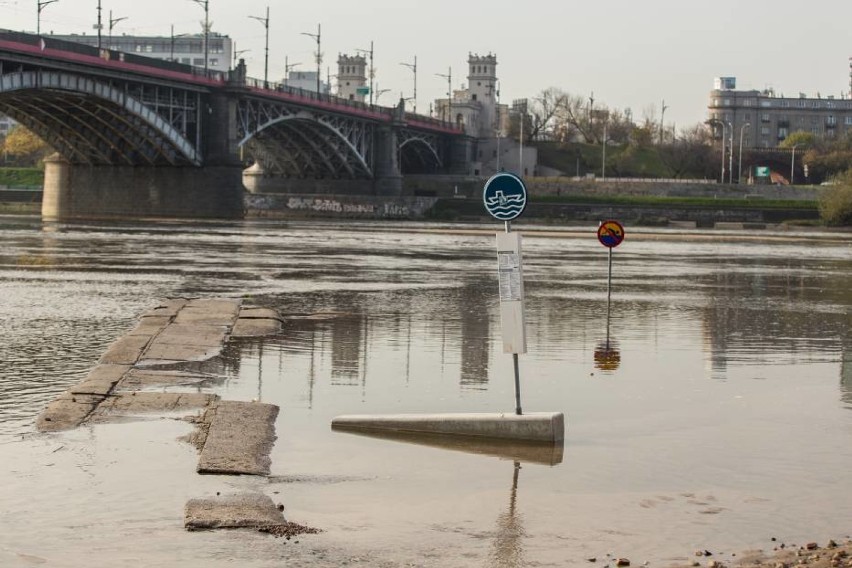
{"type": "Point", "coordinates": [721, 417]}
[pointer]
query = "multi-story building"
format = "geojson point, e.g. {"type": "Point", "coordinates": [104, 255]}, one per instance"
{"type": "Point", "coordinates": [352, 77]}
{"type": "Point", "coordinates": [307, 81]}
{"type": "Point", "coordinates": [765, 119]}
{"type": "Point", "coordinates": [475, 107]}
{"type": "Point", "coordinates": [182, 48]}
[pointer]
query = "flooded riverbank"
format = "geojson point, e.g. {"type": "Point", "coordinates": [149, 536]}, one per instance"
{"type": "Point", "coordinates": [724, 421]}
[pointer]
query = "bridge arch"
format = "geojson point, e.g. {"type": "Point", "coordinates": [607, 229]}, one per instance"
{"type": "Point", "coordinates": [303, 145]}
{"type": "Point", "coordinates": [419, 155]}
{"type": "Point", "coordinates": [92, 123]}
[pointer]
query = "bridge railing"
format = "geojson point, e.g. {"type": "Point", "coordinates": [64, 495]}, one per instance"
{"type": "Point", "coordinates": [312, 95]}
{"type": "Point", "coordinates": [108, 54]}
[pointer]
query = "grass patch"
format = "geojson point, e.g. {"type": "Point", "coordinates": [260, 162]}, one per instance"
{"type": "Point", "coordinates": [24, 178]}
{"type": "Point", "coordinates": [703, 202]}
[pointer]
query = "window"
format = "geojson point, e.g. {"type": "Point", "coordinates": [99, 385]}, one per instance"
{"type": "Point", "coordinates": [214, 62]}
{"type": "Point", "coordinates": [764, 117]}
{"type": "Point", "coordinates": [785, 104]}
{"type": "Point", "coordinates": [765, 103]}
{"type": "Point", "coordinates": [473, 96]}
{"type": "Point", "coordinates": [849, 121]}
{"type": "Point", "coordinates": [831, 121]}
{"type": "Point", "coordinates": [198, 61]}
{"type": "Point", "coordinates": [764, 131]}
{"type": "Point", "coordinates": [782, 133]}
{"type": "Point", "coordinates": [726, 102]}
{"type": "Point", "coordinates": [801, 103]}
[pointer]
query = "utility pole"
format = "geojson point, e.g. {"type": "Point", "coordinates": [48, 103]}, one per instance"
{"type": "Point", "coordinates": [662, 120]}
{"type": "Point", "coordinates": [265, 22]}
{"type": "Point", "coordinates": [206, 5]}
{"type": "Point", "coordinates": [413, 67]}
{"type": "Point", "coordinates": [318, 38]}
{"type": "Point", "coordinates": [41, 6]}
{"type": "Point", "coordinates": [112, 23]}
{"type": "Point", "coordinates": [99, 25]}
{"type": "Point", "coordinates": [372, 70]}
{"type": "Point", "coordinates": [449, 77]}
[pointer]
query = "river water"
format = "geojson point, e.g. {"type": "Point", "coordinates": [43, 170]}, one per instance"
{"type": "Point", "coordinates": [720, 417]}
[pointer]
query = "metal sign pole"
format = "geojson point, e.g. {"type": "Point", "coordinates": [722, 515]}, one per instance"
{"type": "Point", "coordinates": [505, 198]}
{"type": "Point", "coordinates": [518, 409]}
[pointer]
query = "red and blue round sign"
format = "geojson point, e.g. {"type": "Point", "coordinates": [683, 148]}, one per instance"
{"type": "Point", "coordinates": [610, 233]}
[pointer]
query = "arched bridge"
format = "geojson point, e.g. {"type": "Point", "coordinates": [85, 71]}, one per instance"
{"type": "Point", "coordinates": [137, 135]}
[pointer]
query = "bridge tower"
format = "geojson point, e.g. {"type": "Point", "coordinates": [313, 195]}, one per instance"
{"type": "Point", "coordinates": [482, 87]}
{"type": "Point", "coordinates": [351, 76]}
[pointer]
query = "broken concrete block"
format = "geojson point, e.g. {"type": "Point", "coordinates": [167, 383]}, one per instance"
{"type": "Point", "coordinates": [240, 438]}
{"type": "Point", "coordinates": [247, 510]}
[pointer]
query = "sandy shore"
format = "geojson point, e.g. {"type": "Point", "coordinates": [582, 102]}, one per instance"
{"type": "Point", "coordinates": [831, 554]}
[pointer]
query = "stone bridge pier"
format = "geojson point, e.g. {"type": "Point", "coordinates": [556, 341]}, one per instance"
{"type": "Point", "coordinates": [212, 190]}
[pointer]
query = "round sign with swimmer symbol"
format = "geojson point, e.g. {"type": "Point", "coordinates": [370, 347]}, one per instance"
{"type": "Point", "coordinates": [505, 196]}
{"type": "Point", "coordinates": [610, 234]}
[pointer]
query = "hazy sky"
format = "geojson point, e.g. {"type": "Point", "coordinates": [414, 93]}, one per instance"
{"type": "Point", "coordinates": [629, 53]}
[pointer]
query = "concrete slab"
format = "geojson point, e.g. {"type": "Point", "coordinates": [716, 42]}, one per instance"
{"type": "Point", "coordinates": [101, 380]}
{"type": "Point", "coordinates": [126, 351]}
{"type": "Point", "coordinates": [161, 353]}
{"type": "Point", "coordinates": [534, 427]}
{"type": "Point", "coordinates": [247, 510]}
{"type": "Point", "coordinates": [259, 313]}
{"type": "Point", "coordinates": [138, 379]}
{"type": "Point", "coordinates": [66, 412]}
{"type": "Point", "coordinates": [153, 402]}
{"type": "Point", "coordinates": [239, 439]}
{"type": "Point", "coordinates": [169, 308]}
{"type": "Point", "coordinates": [150, 325]}
{"type": "Point", "coordinates": [255, 327]}
{"type": "Point", "coordinates": [182, 334]}
{"type": "Point", "coordinates": [216, 305]}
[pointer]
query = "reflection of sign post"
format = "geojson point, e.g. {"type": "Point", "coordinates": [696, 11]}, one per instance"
{"type": "Point", "coordinates": [505, 198]}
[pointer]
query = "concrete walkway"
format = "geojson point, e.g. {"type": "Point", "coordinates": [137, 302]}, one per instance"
{"type": "Point", "coordinates": [163, 351]}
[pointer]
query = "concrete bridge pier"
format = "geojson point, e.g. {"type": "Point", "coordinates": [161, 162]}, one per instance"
{"type": "Point", "coordinates": [76, 191]}
{"type": "Point", "coordinates": [388, 177]}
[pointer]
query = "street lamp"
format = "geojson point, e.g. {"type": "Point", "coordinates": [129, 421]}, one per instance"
{"type": "Point", "coordinates": [265, 22]}
{"type": "Point", "coordinates": [41, 6]}
{"type": "Point", "coordinates": [318, 37]}
{"type": "Point", "coordinates": [99, 26]}
{"type": "Point", "coordinates": [413, 67]}
{"type": "Point", "coordinates": [112, 23]}
{"type": "Point", "coordinates": [206, 5]}
{"type": "Point", "coordinates": [449, 78]}
{"type": "Point", "coordinates": [372, 70]}
{"type": "Point", "coordinates": [715, 121]}
{"type": "Point", "coordinates": [237, 53]}
{"type": "Point", "coordinates": [380, 92]}
{"type": "Point", "coordinates": [740, 169]}
{"type": "Point", "coordinates": [793, 164]}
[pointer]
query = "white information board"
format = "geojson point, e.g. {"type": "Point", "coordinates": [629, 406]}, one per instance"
{"type": "Point", "coordinates": [511, 280]}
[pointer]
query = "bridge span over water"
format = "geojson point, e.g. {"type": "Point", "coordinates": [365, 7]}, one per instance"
{"type": "Point", "coordinates": [141, 136]}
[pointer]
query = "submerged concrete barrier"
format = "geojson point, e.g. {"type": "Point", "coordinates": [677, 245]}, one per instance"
{"type": "Point", "coordinates": [547, 427]}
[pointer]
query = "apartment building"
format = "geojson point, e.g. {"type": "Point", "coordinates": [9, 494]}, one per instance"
{"type": "Point", "coordinates": [764, 119]}
{"type": "Point", "coordinates": [182, 48]}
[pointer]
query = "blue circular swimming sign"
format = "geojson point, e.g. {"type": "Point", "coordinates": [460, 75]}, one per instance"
{"type": "Point", "coordinates": [505, 196]}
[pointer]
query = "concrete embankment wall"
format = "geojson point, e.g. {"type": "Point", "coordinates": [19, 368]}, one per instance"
{"type": "Point", "coordinates": [472, 209]}
{"type": "Point", "coordinates": [275, 205]}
